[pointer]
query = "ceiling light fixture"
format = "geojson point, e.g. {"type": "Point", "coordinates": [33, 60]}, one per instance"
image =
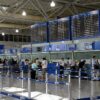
{"type": "Point", "coordinates": [3, 34]}
{"type": "Point", "coordinates": [4, 8]}
{"type": "Point", "coordinates": [24, 13]}
{"type": "Point", "coordinates": [16, 30]}
{"type": "Point", "coordinates": [52, 4]}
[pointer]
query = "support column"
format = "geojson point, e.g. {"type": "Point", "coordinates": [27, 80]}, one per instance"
{"type": "Point", "coordinates": [99, 21]}
{"type": "Point", "coordinates": [48, 39]}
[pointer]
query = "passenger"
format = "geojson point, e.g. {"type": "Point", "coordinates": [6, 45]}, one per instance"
{"type": "Point", "coordinates": [21, 64]}
{"type": "Point", "coordinates": [93, 63]}
{"type": "Point", "coordinates": [44, 67]}
{"type": "Point", "coordinates": [37, 61]}
{"type": "Point", "coordinates": [73, 65]}
{"type": "Point", "coordinates": [39, 70]}
{"type": "Point", "coordinates": [33, 69]}
{"type": "Point", "coordinates": [5, 62]}
{"type": "Point", "coordinates": [11, 63]}
{"type": "Point", "coordinates": [26, 65]}
{"type": "Point", "coordinates": [81, 64]}
{"type": "Point", "coordinates": [40, 65]}
{"type": "Point", "coordinates": [62, 65]}
{"type": "Point", "coordinates": [1, 64]}
{"type": "Point", "coordinates": [15, 66]}
{"type": "Point", "coordinates": [69, 61]}
{"type": "Point", "coordinates": [97, 68]}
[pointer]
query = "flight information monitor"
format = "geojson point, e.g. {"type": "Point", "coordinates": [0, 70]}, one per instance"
{"type": "Point", "coordinates": [39, 33]}
{"type": "Point", "coordinates": [85, 25]}
{"type": "Point", "coordinates": [59, 29]}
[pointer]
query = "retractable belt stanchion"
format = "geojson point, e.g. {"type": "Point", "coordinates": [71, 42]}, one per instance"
{"type": "Point", "coordinates": [69, 85]}
{"type": "Point", "coordinates": [29, 83]}
{"type": "Point", "coordinates": [79, 77]}
{"type": "Point", "coordinates": [46, 81]}
{"type": "Point", "coordinates": [22, 76]}
{"type": "Point", "coordinates": [56, 76]}
{"type": "Point", "coordinates": [92, 74]}
{"type": "Point", "coordinates": [22, 73]}
{"type": "Point", "coordinates": [1, 85]}
{"type": "Point", "coordinates": [69, 77]}
{"type": "Point", "coordinates": [10, 68]}
{"type": "Point", "coordinates": [8, 72]}
{"type": "Point", "coordinates": [92, 91]}
{"type": "Point", "coordinates": [2, 71]}
{"type": "Point", "coordinates": [79, 83]}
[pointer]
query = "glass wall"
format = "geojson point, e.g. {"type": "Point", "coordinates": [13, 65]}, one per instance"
{"type": "Point", "coordinates": [15, 38]}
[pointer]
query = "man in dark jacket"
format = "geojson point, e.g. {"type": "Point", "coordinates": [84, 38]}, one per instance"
{"type": "Point", "coordinates": [81, 64]}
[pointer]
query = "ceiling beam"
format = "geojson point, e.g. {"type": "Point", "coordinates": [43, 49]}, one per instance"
{"type": "Point", "coordinates": [75, 9]}
{"type": "Point", "coordinates": [66, 8]}
{"type": "Point", "coordinates": [92, 3]}
{"type": "Point", "coordinates": [62, 1]}
{"type": "Point", "coordinates": [19, 17]}
{"type": "Point", "coordinates": [86, 7]}
{"type": "Point", "coordinates": [56, 11]}
{"type": "Point", "coordinates": [16, 4]}
{"type": "Point", "coordinates": [34, 6]}
{"type": "Point", "coordinates": [4, 25]}
{"type": "Point", "coordinates": [42, 9]}
{"type": "Point", "coordinates": [24, 3]}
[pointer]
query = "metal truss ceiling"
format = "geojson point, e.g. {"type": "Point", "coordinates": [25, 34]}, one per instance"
{"type": "Point", "coordinates": [40, 10]}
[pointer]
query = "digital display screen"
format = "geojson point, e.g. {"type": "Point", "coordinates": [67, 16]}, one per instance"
{"type": "Point", "coordinates": [39, 33]}
{"type": "Point", "coordinates": [59, 29]}
{"type": "Point", "coordinates": [85, 25]}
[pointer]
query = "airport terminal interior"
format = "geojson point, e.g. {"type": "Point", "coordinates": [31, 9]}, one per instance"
{"type": "Point", "coordinates": [49, 49]}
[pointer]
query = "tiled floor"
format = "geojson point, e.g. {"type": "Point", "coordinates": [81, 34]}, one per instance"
{"type": "Point", "coordinates": [43, 91]}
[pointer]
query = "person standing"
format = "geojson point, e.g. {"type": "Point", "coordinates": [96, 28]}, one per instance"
{"type": "Point", "coordinates": [97, 68]}
{"type": "Point", "coordinates": [69, 61]}
{"type": "Point", "coordinates": [62, 63]}
{"type": "Point", "coordinates": [44, 68]}
{"type": "Point", "coordinates": [26, 66]}
{"type": "Point", "coordinates": [93, 63]}
{"type": "Point", "coordinates": [81, 64]}
{"type": "Point", "coordinates": [33, 69]}
{"type": "Point", "coordinates": [37, 61]}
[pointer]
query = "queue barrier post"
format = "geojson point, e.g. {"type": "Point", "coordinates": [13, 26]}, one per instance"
{"type": "Point", "coordinates": [46, 81]}
{"type": "Point", "coordinates": [8, 71]}
{"type": "Point", "coordinates": [69, 85]}
{"type": "Point", "coordinates": [79, 76]}
{"type": "Point", "coordinates": [29, 83]}
{"type": "Point", "coordinates": [56, 77]}
{"type": "Point", "coordinates": [79, 83]}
